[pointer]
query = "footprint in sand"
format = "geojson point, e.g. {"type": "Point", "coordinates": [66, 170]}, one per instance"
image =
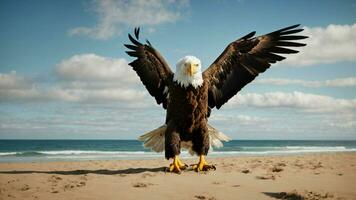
{"type": "Point", "coordinates": [25, 187]}
{"type": "Point", "coordinates": [245, 171]}
{"type": "Point", "coordinates": [68, 186]}
{"type": "Point", "coordinates": [316, 166]}
{"type": "Point", "coordinates": [204, 197]}
{"type": "Point", "coordinates": [276, 169]}
{"type": "Point", "coordinates": [141, 185]}
{"type": "Point", "coordinates": [81, 184]}
{"type": "Point", "coordinates": [236, 185]}
{"type": "Point", "coordinates": [74, 184]}
{"type": "Point", "coordinates": [54, 179]}
{"type": "Point", "coordinates": [266, 177]}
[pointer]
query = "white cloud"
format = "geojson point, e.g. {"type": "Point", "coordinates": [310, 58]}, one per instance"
{"type": "Point", "coordinates": [93, 68]}
{"type": "Point", "coordinates": [331, 44]}
{"type": "Point", "coordinates": [340, 82]}
{"type": "Point", "coordinates": [13, 81]}
{"type": "Point", "coordinates": [93, 78]}
{"type": "Point", "coordinates": [344, 121]}
{"type": "Point", "coordinates": [15, 87]}
{"type": "Point", "coordinates": [82, 95]}
{"type": "Point", "coordinates": [105, 95]}
{"type": "Point", "coordinates": [299, 100]}
{"type": "Point", "coordinates": [86, 78]}
{"type": "Point", "coordinates": [241, 119]}
{"type": "Point", "coordinates": [115, 15]}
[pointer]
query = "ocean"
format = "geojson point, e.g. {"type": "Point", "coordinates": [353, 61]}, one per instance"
{"type": "Point", "coordinates": [77, 150]}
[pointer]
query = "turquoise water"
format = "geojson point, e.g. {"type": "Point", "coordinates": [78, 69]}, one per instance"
{"type": "Point", "coordinates": [75, 150]}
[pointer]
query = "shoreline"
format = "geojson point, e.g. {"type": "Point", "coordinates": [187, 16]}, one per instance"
{"type": "Point", "coordinates": [160, 157]}
{"type": "Point", "coordinates": [311, 176]}
{"type": "Point", "coordinates": [150, 156]}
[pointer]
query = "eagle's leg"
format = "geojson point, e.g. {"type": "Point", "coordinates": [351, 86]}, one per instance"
{"type": "Point", "coordinates": [203, 165]}
{"type": "Point", "coordinates": [201, 145]}
{"type": "Point", "coordinates": [172, 149]}
{"type": "Point", "coordinates": [177, 165]}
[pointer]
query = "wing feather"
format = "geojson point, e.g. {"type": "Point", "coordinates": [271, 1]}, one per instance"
{"type": "Point", "coordinates": [150, 66]}
{"type": "Point", "coordinates": [244, 59]}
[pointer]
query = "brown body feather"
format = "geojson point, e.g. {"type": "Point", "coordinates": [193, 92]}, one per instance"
{"type": "Point", "coordinates": [188, 108]}
{"type": "Point", "coordinates": [187, 117]}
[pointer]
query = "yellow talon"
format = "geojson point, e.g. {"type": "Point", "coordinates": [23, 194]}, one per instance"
{"type": "Point", "coordinates": [203, 165]}
{"type": "Point", "coordinates": [177, 165]}
{"type": "Point", "coordinates": [181, 165]}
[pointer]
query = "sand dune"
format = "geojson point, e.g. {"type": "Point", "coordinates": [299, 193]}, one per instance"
{"type": "Point", "coordinates": [312, 176]}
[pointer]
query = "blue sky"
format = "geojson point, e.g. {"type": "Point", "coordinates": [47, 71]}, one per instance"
{"type": "Point", "coordinates": [64, 73]}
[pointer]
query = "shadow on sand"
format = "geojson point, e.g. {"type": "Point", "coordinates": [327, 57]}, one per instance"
{"type": "Point", "coordinates": [99, 171]}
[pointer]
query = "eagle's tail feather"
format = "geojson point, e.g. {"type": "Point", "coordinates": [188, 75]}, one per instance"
{"type": "Point", "coordinates": [155, 139]}
{"type": "Point", "coordinates": [216, 137]}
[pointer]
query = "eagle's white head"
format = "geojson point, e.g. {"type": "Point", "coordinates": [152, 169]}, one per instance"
{"type": "Point", "coordinates": [188, 72]}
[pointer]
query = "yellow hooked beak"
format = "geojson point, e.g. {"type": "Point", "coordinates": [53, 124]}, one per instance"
{"type": "Point", "coordinates": [192, 69]}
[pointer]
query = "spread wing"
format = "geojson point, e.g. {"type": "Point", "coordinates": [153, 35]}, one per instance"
{"type": "Point", "coordinates": [244, 59]}
{"type": "Point", "coordinates": [150, 66]}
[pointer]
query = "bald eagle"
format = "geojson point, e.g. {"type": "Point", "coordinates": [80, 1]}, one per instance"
{"type": "Point", "coordinates": [189, 95]}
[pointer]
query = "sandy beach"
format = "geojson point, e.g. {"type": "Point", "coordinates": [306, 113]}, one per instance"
{"type": "Point", "coordinates": [309, 176]}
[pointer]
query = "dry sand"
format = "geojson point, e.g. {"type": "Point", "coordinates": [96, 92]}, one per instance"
{"type": "Point", "coordinates": [312, 176]}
